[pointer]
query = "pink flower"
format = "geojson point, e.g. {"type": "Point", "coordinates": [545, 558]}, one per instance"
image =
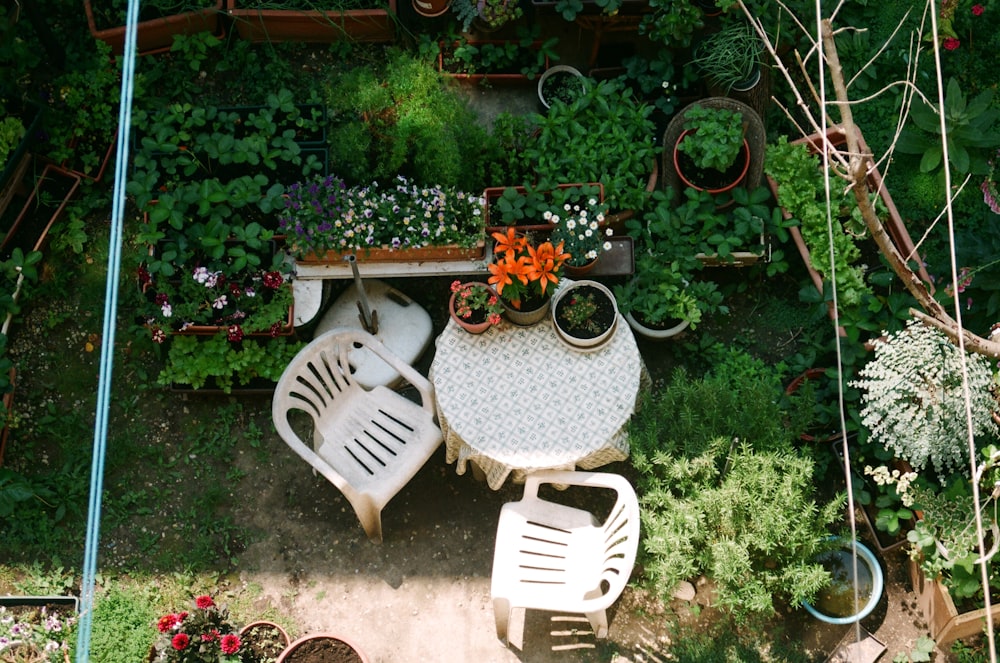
{"type": "Point", "coordinates": [977, 10]}
{"type": "Point", "coordinates": [180, 641]}
{"type": "Point", "coordinates": [950, 44]}
{"type": "Point", "coordinates": [230, 643]}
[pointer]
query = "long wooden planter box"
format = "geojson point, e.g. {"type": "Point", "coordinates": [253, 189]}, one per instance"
{"type": "Point", "coordinates": [278, 25]}
{"type": "Point", "coordinates": [493, 193]}
{"type": "Point", "coordinates": [893, 222]}
{"type": "Point", "coordinates": [157, 34]}
{"type": "Point", "coordinates": [945, 622]}
{"type": "Point", "coordinates": [388, 254]}
{"type": "Point", "coordinates": [491, 76]}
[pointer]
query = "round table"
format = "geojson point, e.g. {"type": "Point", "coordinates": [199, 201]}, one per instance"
{"type": "Point", "coordinates": [516, 400]}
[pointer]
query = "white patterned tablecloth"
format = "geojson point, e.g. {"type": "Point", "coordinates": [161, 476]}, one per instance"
{"type": "Point", "coordinates": [516, 400]}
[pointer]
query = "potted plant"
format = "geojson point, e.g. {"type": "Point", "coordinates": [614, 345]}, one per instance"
{"type": "Point", "coordinates": [730, 58]}
{"type": "Point", "coordinates": [475, 307]}
{"type": "Point", "coordinates": [323, 648]}
{"type": "Point", "coordinates": [524, 272]}
{"type": "Point", "coordinates": [605, 132]}
{"type": "Point", "coordinates": [158, 22]}
{"type": "Point", "coordinates": [578, 226]}
{"type": "Point", "coordinates": [561, 83]}
{"type": "Point", "coordinates": [37, 628]}
{"type": "Point", "coordinates": [672, 23]}
{"type": "Point", "coordinates": [262, 641]}
{"type": "Point", "coordinates": [325, 219]}
{"type": "Point", "coordinates": [201, 634]}
{"type": "Point", "coordinates": [585, 314]}
{"type": "Point", "coordinates": [484, 61]}
{"type": "Point", "coordinates": [315, 21]}
{"type": "Point", "coordinates": [664, 297]}
{"type": "Point", "coordinates": [712, 154]}
{"type": "Point", "coordinates": [526, 206]}
{"type": "Point", "coordinates": [486, 15]}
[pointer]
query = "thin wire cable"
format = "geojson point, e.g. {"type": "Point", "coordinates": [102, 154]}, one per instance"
{"type": "Point", "coordinates": [967, 396]}
{"type": "Point", "coordinates": [825, 157]}
{"type": "Point", "coordinates": [84, 625]}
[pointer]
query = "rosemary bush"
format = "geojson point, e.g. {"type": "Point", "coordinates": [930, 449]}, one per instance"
{"type": "Point", "coordinates": [913, 401]}
{"type": "Point", "coordinates": [724, 493]}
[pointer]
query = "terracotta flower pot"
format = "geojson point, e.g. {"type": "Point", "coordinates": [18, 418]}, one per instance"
{"type": "Point", "coordinates": [687, 177]}
{"type": "Point", "coordinates": [323, 648]}
{"type": "Point", "coordinates": [262, 641]}
{"type": "Point", "coordinates": [465, 323]}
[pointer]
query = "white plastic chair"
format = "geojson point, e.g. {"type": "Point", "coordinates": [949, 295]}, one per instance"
{"type": "Point", "coordinates": [367, 443]}
{"type": "Point", "coordinates": [554, 557]}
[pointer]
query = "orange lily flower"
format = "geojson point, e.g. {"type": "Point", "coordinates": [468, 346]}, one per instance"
{"type": "Point", "coordinates": [545, 260]}
{"type": "Point", "coordinates": [508, 242]}
{"type": "Point", "coordinates": [503, 271]}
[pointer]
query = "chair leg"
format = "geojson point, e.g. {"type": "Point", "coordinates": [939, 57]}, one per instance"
{"type": "Point", "coordinates": [501, 613]}
{"type": "Point", "coordinates": [371, 519]}
{"type": "Point", "coordinates": [599, 622]}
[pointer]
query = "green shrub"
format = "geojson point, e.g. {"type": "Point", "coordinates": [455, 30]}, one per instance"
{"type": "Point", "coordinates": [725, 494]}
{"type": "Point", "coordinates": [121, 629]}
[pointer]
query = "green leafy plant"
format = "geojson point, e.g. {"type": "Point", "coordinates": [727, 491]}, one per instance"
{"type": "Point", "coordinates": [201, 635]}
{"type": "Point", "coordinates": [970, 127]}
{"type": "Point", "coordinates": [604, 136]}
{"type": "Point", "coordinates": [716, 137]}
{"type": "Point", "coordinates": [11, 133]}
{"type": "Point", "coordinates": [730, 56]}
{"type": "Point", "coordinates": [123, 612]}
{"type": "Point", "coordinates": [493, 13]}
{"type": "Point", "coordinates": [723, 492]}
{"type": "Point", "coordinates": [399, 117]}
{"type": "Point", "coordinates": [672, 23]}
{"type": "Point", "coordinates": [194, 360]}
{"type": "Point", "coordinates": [526, 55]}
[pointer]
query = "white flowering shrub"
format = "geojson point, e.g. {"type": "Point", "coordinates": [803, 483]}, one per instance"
{"type": "Point", "coordinates": [913, 402]}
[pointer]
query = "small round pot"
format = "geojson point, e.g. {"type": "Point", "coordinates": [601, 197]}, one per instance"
{"type": "Point", "coordinates": [575, 271]}
{"type": "Point", "coordinates": [653, 333]}
{"type": "Point", "coordinates": [559, 69]}
{"type": "Point", "coordinates": [431, 8]}
{"type": "Point", "coordinates": [471, 327]}
{"type": "Point", "coordinates": [835, 604]}
{"type": "Point", "coordinates": [686, 177]}
{"type": "Point", "coordinates": [526, 317]}
{"type": "Point", "coordinates": [748, 84]}
{"type": "Point", "coordinates": [569, 338]}
{"type": "Point", "coordinates": [267, 652]}
{"type": "Point", "coordinates": [342, 651]}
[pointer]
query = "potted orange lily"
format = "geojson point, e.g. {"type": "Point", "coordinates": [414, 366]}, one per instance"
{"type": "Point", "coordinates": [525, 274]}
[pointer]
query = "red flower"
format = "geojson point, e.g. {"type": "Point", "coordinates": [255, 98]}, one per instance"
{"type": "Point", "coordinates": [204, 602]}
{"type": "Point", "coordinates": [167, 622]}
{"type": "Point", "coordinates": [977, 10]}
{"type": "Point", "coordinates": [235, 290]}
{"type": "Point", "coordinates": [230, 643]}
{"type": "Point", "coordinates": [273, 280]}
{"type": "Point", "coordinates": [159, 336]}
{"type": "Point", "coordinates": [234, 333]}
{"type": "Point", "coordinates": [180, 641]}
{"type": "Point", "coordinates": [950, 44]}
{"type": "Point", "coordinates": [275, 330]}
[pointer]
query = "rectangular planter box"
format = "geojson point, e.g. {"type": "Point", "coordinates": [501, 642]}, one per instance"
{"type": "Point", "coordinates": [491, 76]}
{"type": "Point", "coordinates": [945, 622]}
{"type": "Point", "coordinates": [157, 34]}
{"type": "Point", "coordinates": [19, 159]}
{"type": "Point", "coordinates": [492, 194]}
{"type": "Point", "coordinates": [893, 222]}
{"type": "Point", "coordinates": [387, 254]}
{"type": "Point", "coordinates": [278, 25]}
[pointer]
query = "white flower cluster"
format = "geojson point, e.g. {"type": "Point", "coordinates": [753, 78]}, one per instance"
{"type": "Point", "coordinates": [884, 477]}
{"type": "Point", "coordinates": [913, 401]}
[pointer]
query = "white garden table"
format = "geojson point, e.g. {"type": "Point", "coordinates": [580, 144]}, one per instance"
{"type": "Point", "coordinates": [515, 400]}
